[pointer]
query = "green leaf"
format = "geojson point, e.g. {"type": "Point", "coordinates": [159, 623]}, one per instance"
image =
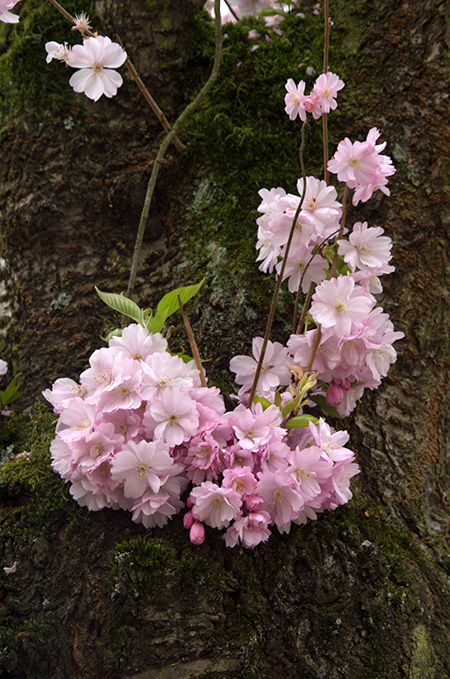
{"type": "Point", "coordinates": [264, 402]}
{"type": "Point", "coordinates": [169, 304]}
{"type": "Point", "coordinates": [289, 406]}
{"type": "Point", "coordinates": [121, 304]}
{"type": "Point", "coordinates": [322, 402]}
{"type": "Point", "coordinates": [300, 421]}
{"type": "Point", "coordinates": [269, 12]}
{"type": "Point", "coordinates": [184, 357]}
{"type": "Point", "coordinates": [11, 392]}
{"type": "Point", "coordinates": [117, 332]}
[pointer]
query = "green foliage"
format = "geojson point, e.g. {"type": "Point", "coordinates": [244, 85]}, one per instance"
{"type": "Point", "coordinates": [11, 393]}
{"type": "Point", "coordinates": [168, 305]}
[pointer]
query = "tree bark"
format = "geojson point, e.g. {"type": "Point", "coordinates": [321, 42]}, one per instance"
{"type": "Point", "coordinates": [94, 595]}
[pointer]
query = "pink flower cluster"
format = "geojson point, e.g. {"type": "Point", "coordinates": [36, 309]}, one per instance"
{"type": "Point", "coordinates": [362, 167]}
{"type": "Point", "coordinates": [322, 98]}
{"type": "Point", "coordinates": [138, 428]}
{"type": "Point", "coordinates": [356, 344]}
{"type": "Point", "coordinates": [318, 220]}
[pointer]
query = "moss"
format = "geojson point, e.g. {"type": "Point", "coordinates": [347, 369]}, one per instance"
{"type": "Point", "coordinates": [28, 485]}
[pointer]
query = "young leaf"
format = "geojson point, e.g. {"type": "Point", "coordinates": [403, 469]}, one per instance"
{"type": "Point", "coordinates": [322, 402]}
{"type": "Point", "coordinates": [300, 421]}
{"type": "Point", "coordinates": [269, 12]}
{"type": "Point", "coordinates": [264, 402]}
{"type": "Point", "coordinates": [121, 304]}
{"type": "Point", "coordinates": [169, 304]}
{"type": "Point", "coordinates": [11, 392]}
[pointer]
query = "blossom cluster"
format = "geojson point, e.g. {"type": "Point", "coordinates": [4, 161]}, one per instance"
{"type": "Point", "coordinates": [355, 349]}
{"type": "Point", "coordinates": [362, 167]}
{"type": "Point", "coordinates": [322, 98]}
{"type": "Point", "coordinates": [138, 429]}
{"type": "Point", "coordinates": [96, 60]}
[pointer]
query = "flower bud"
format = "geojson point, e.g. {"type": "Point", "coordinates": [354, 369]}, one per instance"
{"type": "Point", "coordinates": [197, 533]}
{"type": "Point", "coordinates": [334, 394]}
{"type": "Point", "coordinates": [188, 520]}
{"type": "Point", "coordinates": [254, 502]}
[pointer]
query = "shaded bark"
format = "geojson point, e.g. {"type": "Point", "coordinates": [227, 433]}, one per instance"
{"type": "Point", "coordinates": [94, 595]}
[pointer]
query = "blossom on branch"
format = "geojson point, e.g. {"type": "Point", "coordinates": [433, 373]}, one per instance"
{"type": "Point", "coordinates": [96, 58]}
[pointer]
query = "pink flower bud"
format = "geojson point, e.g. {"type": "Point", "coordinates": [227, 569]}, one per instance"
{"type": "Point", "coordinates": [188, 520]}
{"type": "Point", "coordinates": [334, 395]}
{"type": "Point", "coordinates": [197, 533]}
{"type": "Point", "coordinates": [254, 503]}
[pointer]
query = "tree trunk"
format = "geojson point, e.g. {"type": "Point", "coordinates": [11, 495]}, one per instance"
{"type": "Point", "coordinates": [94, 595]}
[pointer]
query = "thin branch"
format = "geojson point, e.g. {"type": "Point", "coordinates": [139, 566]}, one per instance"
{"type": "Point", "coordinates": [192, 343]}
{"type": "Point", "coordinates": [341, 232]}
{"type": "Point", "coordinates": [231, 10]}
{"type": "Point", "coordinates": [305, 308]}
{"type": "Point", "coordinates": [276, 292]}
{"type": "Point", "coordinates": [166, 143]}
{"type": "Point", "coordinates": [128, 63]}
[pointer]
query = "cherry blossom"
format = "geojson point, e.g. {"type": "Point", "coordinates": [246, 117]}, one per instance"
{"type": "Point", "coordinates": [96, 58]}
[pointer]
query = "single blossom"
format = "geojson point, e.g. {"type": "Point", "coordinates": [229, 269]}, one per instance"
{"type": "Point", "coordinates": [5, 15]}
{"type": "Point", "coordinates": [96, 58]}
{"type": "Point", "coordinates": [55, 50]}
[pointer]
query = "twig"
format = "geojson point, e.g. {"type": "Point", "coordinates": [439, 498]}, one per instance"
{"type": "Point", "coordinates": [192, 343]}
{"type": "Point", "coordinates": [326, 48]}
{"type": "Point", "coordinates": [231, 10]}
{"type": "Point", "coordinates": [146, 94]}
{"type": "Point", "coordinates": [341, 232]}
{"type": "Point", "coordinates": [166, 143]}
{"type": "Point", "coordinates": [276, 292]}
{"type": "Point", "coordinates": [305, 308]}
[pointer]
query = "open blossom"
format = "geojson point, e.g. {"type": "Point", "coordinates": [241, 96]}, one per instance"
{"type": "Point", "coordinates": [214, 505]}
{"type": "Point", "coordinates": [5, 14]}
{"type": "Point", "coordinates": [294, 100]}
{"type": "Point", "coordinates": [362, 167]}
{"type": "Point", "coordinates": [55, 50]}
{"type": "Point", "coordinates": [96, 58]}
{"type": "Point", "coordinates": [339, 303]}
{"type": "Point", "coordinates": [366, 247]}
{"type": "Point", "coordinates": [326, 88]}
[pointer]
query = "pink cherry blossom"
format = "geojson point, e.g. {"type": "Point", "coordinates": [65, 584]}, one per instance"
{"type": "Point", "coordinates": [366, 247]}
{"type": "Point", "coordinates": [56, 51]}
{"type": "Point", "coordinates": [141, 467]}
{"type": "Point", "coordinates": [5, 15]}
{"type": "Point", "coordinates": [326, 88]}
{"type": "Point", "coordinates": [339, 304]}
{"type": "Point", "coordinates": [214, 505]}
{"type": "Point", "coordinates": [96, 58]}
{"type": "Point", "coordinates": [294, 100]}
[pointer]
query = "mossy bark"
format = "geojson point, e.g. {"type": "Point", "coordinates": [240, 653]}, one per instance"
{"type": "Point", "coordinates": [93, 595]}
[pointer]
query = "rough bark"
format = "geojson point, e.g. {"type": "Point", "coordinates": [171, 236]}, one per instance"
{"type": "Point", "coordinates": [94, 595]}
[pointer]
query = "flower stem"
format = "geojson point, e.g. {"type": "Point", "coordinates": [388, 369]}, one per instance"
{"type": "Point", "coordinates": [341, 231]}
{"type": "Point", "coordinates": [192, 343]}
{"type": "Point", "coordinates": [231, 10]}
{"type": "Point", "coordinates": [146, 94]}
{"type": "Point", "coordinates": [314, 348]}
{"type": "Point", "coordinates": [305, 308]}
{"type": "Point", "coordinates": [166, 143]}
{"type": "Point", "coordinates": [326, 48]}
{"type": "Point", "coordinates": [276, 292]}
